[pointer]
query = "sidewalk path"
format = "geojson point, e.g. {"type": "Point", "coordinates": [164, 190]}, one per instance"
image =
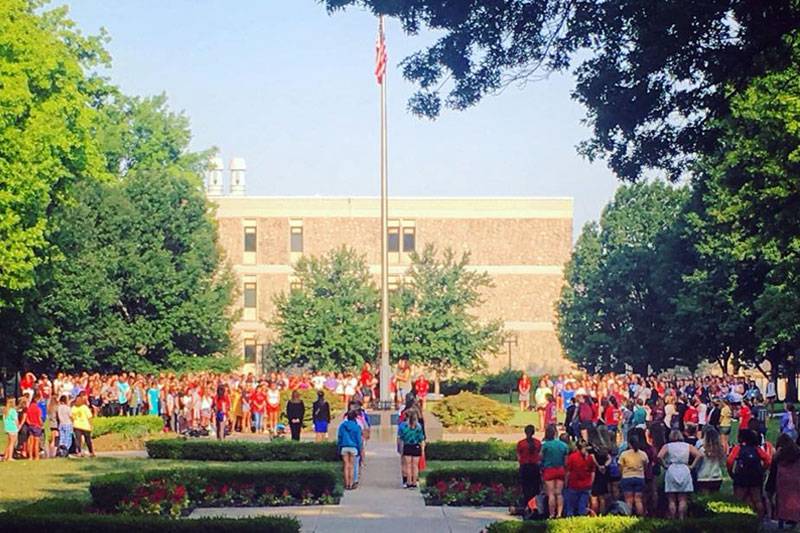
{"type": "Point", "coordinates": [379, 505]}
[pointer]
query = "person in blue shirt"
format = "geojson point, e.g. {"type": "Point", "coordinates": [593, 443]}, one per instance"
{"type": "Point", "coordinates": [123, 395]}
{"type": "Point", "coordinates": [348, 440]}
{"type": "Point", "coordinates": [152, 399]}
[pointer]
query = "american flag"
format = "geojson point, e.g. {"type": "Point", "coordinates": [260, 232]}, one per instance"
{"type": "Point", "coordinates": [380, 54]}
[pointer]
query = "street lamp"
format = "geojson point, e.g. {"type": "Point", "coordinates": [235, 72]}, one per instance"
{"type": "Point", "coordinates": [511, 340]}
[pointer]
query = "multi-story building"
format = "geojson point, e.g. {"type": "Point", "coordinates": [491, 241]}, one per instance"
{"type": "Point", "coordinates": [523, 243]}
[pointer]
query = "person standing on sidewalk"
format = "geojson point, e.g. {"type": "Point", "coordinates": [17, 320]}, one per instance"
{"type": "Point", "coordinates": [528, 456]}
{"type": "Point", "coordinates": [348, 441]}
{"type": "Point", "coordinates": [295, 411]}
{"type": "Point", "coordinates": [412, 437]}
{"type": "Point", "coordinates": [321, 416]}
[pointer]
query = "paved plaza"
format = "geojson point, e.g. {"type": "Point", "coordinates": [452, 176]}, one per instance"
{"type": "Point", "coordinates": [379, 505]}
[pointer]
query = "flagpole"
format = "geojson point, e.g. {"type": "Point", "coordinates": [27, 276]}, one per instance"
{"type": "Point", "coordinates": [386, 400]}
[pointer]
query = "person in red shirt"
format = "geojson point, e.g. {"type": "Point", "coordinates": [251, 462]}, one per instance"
{"type": "Point", "coordinates": [744, 415]}
{"type": "Point", "coordinates": [611, 416]}
{"type": "Point", "coordinates": [258, 405]}
{"type": "Point", "coordinates": [550, 411]}
{"type": "Point", "coordinates": [579, 478]}
{"type": "Point", "coordinates": [222, 406]}
{"type": "Point", "coordinates": [421, 386]}
{"type": "Point", "coordinates": [528, 456]}
{"type": "Point", "coordinates": [33, 417]}
{"type": "Point", "coordinates": [524, 389]}
{"type": "Point", "coordinates": [691, 415]}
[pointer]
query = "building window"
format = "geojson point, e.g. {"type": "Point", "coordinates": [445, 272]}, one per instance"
{"type": "Point", "coordinates": [393, 240]}
{"type": "Point", "coordinates": [250, 295]}
{"type": "Point", "coordinates": [250, 351]}
{"type": "Point", "coordinates": [250, 239]}
{"type": "Point", "coordinates": [295, 285]}
{"type": "Point", "coordinates": [297, 239]}
{"type": "Point", "coordinates": [409, 239]}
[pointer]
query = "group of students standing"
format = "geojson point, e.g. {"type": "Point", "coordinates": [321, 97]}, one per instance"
{"type": "Point", "coordinates": [618, 452]}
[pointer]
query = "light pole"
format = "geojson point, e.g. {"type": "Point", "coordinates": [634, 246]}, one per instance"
{"type": "Point", "coordinates": [511, 340]}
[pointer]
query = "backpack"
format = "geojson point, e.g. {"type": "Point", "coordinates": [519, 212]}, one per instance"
{"type": "Point", "coordinates": [747, 470]}
{"type": "Point", "coordinates": [62, 451]}
{"type": "Point", "coordinates": [614, 471]}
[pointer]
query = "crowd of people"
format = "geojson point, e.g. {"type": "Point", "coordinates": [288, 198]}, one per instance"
{"type": "Point", "coordinates": [60, 409]}
{"type": "Point", "coordinates": [620, 433]}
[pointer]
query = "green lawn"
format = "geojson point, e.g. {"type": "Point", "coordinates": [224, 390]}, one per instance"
{"type": "Point", "coordinates": [27, 481]}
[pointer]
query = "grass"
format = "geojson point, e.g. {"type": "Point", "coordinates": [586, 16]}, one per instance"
{"type": "Point", "coordinates": [69, 478]}
{"type": "Point", "coordinates": [520, 418]}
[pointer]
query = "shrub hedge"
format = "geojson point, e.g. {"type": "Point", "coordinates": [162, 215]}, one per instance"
{"type": "Point", "coordinates": [491, 450]}
{"type": "Point", "coordinates": [503, 473]}
{"type": "Point", "coordinates": [724, 523]}
{"type": "Point", "coordinates": [466, 409]}
{"type": "Point", "coordinates": [128, 426]}
{"type": "Point", "coordinates": [237, 450]}
{"type": "Point", "coordinates": [297, 480]}
{"type": "Point", "coordinates": [96, 523]}
{"type": "Point", "coordinates": [498, 383]}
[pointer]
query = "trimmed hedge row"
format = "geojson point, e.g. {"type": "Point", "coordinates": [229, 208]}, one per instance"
{"type": "Point", "coordinates": [297, 480]}
{"type": "Point", "coordinates": [64, 515]}
{"type": "Point", "coordinates": [491, 450]}
{"type": "Point", "coordinates": [505, 473]}
{"type": "Point", "coordinates": [237, 450]}
{"type": "Point", "coordinates": [128, 426]}
{"type": "Point", "coordinates": [724, 523]}
{"type": "Point", "coordinates": [95, 523]}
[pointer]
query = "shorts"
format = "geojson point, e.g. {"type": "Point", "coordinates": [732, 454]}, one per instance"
{"type": "Point", "coordinates": [35, 432]}
{"type": "Point", "coordinates": [725, 430]}
{"type": "Point", "coordinates": [349, 450]}
{"type": "Point", "coordinates": [586, 425]}
{"type": "Point", "coordinates": [553, 473]}
{"type": "Point", "coordinates": [320, 426]}
{"type": "Point", "coordinates": [709, 486]}
{"type": "Point", "coordinates": [412, 450]}
{"type": "Point", "coordinates": [273, 409]}
{"type": "Point", "coordinates": [632, 485]}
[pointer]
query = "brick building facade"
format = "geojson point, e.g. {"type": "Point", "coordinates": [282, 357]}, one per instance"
{"type": "Point", "coordinates": [523, 243]}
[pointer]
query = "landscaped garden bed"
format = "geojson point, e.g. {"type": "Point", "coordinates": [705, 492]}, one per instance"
{"type": "Point", "coordinates": [478, 484]}
{"type": "Point", "coordinates": [237, 450]}
{"type": "Point", "coordinates": [175, 493]}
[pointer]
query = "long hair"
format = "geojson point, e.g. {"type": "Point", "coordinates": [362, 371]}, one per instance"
{"type": "Point", "coordinates": [550, 432]}
{"type": "Point", "coordinates": [529, 431]}
{"type": "Point", "coordinates": [788, 450]}
{"type": "Point", "coordinates": [712, 447]}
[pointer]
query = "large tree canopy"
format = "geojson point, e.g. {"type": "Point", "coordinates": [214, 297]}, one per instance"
{"type": "Point", "coordinates": [616, 307]}
{"type": "Point", "coordinates": [433, 324]}
{"type": "Point", "coordinates": [45, 133]}
{"type": "Point", "coordinates": [651, 73]}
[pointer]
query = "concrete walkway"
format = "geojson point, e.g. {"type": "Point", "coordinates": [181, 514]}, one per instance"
{"type": "Point", "coordinates": [379, 505]}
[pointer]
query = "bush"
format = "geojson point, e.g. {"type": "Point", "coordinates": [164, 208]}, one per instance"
{"type": "Point", "coordinates": [724, 523]}
{"type": "Point", "coordinates": [491, 450]}
{"type": "Point", "coordinates": [503, 473]}
{"type": "Point", "coordinates": [499, 383]}
{"type": "Point", "coordinates": [128, 426]}
{"type": "Point", "coordinates": [309, 397]}
{"type": "Point", "coordinates": [471, 410]}
{"type": "Point", "coordinates": [233, 450]}
{"type": "Point", "coordinates": [264, 484]}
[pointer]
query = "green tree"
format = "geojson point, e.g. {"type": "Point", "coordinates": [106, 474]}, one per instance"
{"type": "Point", "coordinates": [652, 75]}
{"type": "Point", "coordinates": [432, 322]}
{"type": "Point", "coordinates": [616, 307]}
{"type": "Point", "coordinates": [332, 321]}
{"type": "Point", "coordinates": [138, 280]}
{"type": "Point", "coordinates": [755, 169]}
{"type": "Point", "coordinates": [45, 133]}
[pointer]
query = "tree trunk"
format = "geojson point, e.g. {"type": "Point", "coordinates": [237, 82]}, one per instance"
{"type": "Point", "coordinates": [791, 378]}
{"type": "Point", "coordinates": [436, 381]}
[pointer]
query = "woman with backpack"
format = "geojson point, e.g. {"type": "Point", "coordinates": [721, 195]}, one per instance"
{"type": "Point", "coordinates": [747, 463]}
{"type": "Point", "coordinates": [602, 459]}
{"type": "Point", "coordinates": [679, 458]}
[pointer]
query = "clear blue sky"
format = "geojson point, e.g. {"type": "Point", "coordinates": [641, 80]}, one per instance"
{"type": "Point", "coordinates": [291, 89]}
